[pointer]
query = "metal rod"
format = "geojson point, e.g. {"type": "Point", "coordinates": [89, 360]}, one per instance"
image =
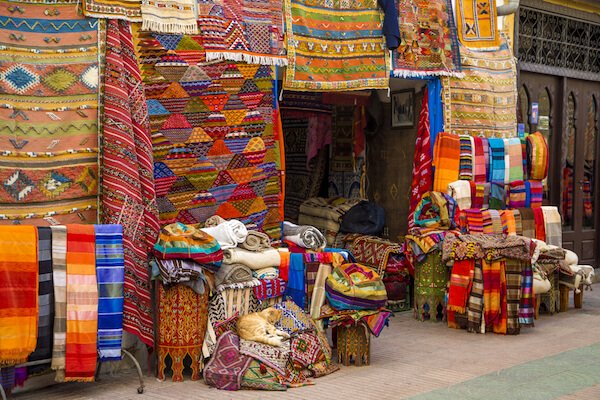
{"type": "Point", "coordinates": [139, 370]}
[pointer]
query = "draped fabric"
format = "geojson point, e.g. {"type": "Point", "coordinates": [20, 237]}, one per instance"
{"type": "Point", "coordinates": [527, 302]}
{"type": "Point", "coordinates": [475, 305]}
{"type": "Point", "coordinates": [59, 277]}
{"type": "Point", "coordinates": [461, 279]}
{"type": "Point", "coordinates": [446, 160]}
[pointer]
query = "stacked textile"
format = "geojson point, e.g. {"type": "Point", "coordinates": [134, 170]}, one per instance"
{"type": "Point", "coordinates": [325, 214]}
{"type": "Point", "coordinates": [228, 233]}
{"type": "Point", "coordinates": [543, 223]}
{"type": "Point", "coordinates": [305, 236]}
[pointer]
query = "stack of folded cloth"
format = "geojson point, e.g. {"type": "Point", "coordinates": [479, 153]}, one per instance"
{"type": "Point", "coordinates": [325, 215]}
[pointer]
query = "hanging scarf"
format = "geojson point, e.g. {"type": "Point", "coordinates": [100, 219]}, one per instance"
{"type": "Point", "coordinates": [466, 158]}
{"type": "Point", "coordinates": [515, 154]}
{"type": "Point", "coordinates": [537, 156]}
{"type": "Point", "coordinates": [527, 222]}
{"type": "Point", "coordinates": [552, 225]}
{"type": "Point", "coordinates": [19, 300]}
{"type": "Point", "coordinates": [514, 270]}
{"type": "Point", "coordinates": [475, 305]}
{"type": "Point", "coordinates": [461, 280]}
{"type": "Point", "coordinates": [474, 218]}
{"type": "Point", "coordinates": [446, 160]}
{"type": "Point", "coordinates": [509, 226]}
{"type": "Point", "coordinates": [421, 170]}
{"type": "Point", "coordinates": [526, 304]}
{"type": "Point", "coordinates": [518, 222]}
{"type": "Point", "coordinates": [59, 276]}
{"type": "Point", "coordinates": [534, 194]}
{"type": "Point", "coordinates": [461, 192]}
{"type": "Point", "coordinates": [477, 194]}
{"type": "Point", "coordinates": [479, 164]}
{"type": "Point", "coordinates": [496, 170]}
{"type": "Point", "coordinates": [517, 194]}
{"type": "Point", "coordinates": [540, 229]}
{"type": "Point", "coordinates": [491, 292]}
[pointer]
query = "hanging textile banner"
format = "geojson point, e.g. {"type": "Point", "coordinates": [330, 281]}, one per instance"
{"type": "Point", "coordinates": [477, 24]}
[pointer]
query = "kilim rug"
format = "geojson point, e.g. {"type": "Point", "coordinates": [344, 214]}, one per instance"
{"type": "Point", "coordinates": [215, 151]}
{"type": "Point", "coordinates": [337, 45]}
{"type": "Point", "coordinates": [127, 185]}
{"type": "Point", "coordinates": [114, 9]}
{"type": "Point", "coordinates": [374, 252]}
{"type": "Point", "coordinates": [477, 24]}
{"type": "Point", "coordinates": [344, 169]}
{"type": "Point", "coordinates": [49, 97]}
{"type": "Point", "coordinates": [249, 30]}
{"type": "Point", "coordinates": [483, 102]}
{"type": "Point", "coordinates": [428, 45]}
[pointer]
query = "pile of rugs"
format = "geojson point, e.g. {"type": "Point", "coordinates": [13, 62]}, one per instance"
{"type": "Point", "coordinates": [325, 215]}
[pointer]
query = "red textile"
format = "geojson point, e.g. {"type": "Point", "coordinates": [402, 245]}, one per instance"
{"type": "Point", "coordinates": [461, 280]}
{"type": "Point", "coordinates": [540, 229]}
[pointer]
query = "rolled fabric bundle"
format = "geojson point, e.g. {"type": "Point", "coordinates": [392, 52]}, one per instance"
{"type": "Point", "coordinates": [232, 273]}
{"type": "Point", "coordinates": [214, 221]}
{"type": "Point", "coordinates": [256, 241]}
{"type": "Point", "coordinates": [537, 156]}
{"type": "Point", "coordinates": [461, 192]}
{"type": "Point", "coordinates": [228, 233]}
{"type": "Point", "coordinates": [266, 273]}
{"type": "Point", "coordinates": [252, 259]}
{"type": "Point", "coordinates": [305, 236]}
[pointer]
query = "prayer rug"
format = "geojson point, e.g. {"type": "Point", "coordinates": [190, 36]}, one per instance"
{"type": "Point", "coordinates": [428, 40]}
{"type": "Point", "coordinates": [59, 277]}
{"type": "Point", "coordinates": [274, 356]}
{"type": "Point", "coordinates": [250, 31]}
{"type": "Point", "coordinates": [82, 304]}
{"type": "Point", "coordinates": [49, 92]}
{"type": "Point", "coordinates": [129, 10]}
{"type": "Point", "coordinates": [182, 320]}
{"type": "Point", "coordinates": [483, 102]}
{"type": "Point", "coordinates": [215, 150]}
{"type": "Point", "coordinates": [227, 366]}
{"type": "Point", "coordinates": [335, 46]}
{"type": "Point", "coordinates": [110, 272]}
{"type": "Point", "coordinates": [128, 193]}
{"type": "Point", "coordinates": [19, 300]}
{"type": "Point", "coordinates": [477, 24]}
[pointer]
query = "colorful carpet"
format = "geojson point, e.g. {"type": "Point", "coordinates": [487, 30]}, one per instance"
{"type": "Point", "coordinates": [129, 10]}
{"type": "Point", "coordinates": [483, 103]}
{"type": "Point", "coordinates": [335, 45]}
{"type": "Point", "coordinates": [477, 24]}
{"type": "Point", "coordinates": [215, 149]}
{"type": "Point", "coordinates": [429, 45]}
{"type": "Point", "coordinates": [250, 31]}
{"type": "Point", "coordinates": [49, 97]}
{"type": "Point", "coordinates": [128, 194]}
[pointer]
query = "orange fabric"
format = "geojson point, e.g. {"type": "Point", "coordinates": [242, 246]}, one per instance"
{"type": "Point", "coordinates": [446, 160]}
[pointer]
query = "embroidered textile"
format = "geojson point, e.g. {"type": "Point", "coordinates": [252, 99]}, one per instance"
{"type": "Point", "coordinates": [477, 24]}
{"type": "Point", "coordinates": [19, 300]}
{"type": "Point", "coordinates": [227, 366]}
{"type": "Point", "coordinates": [335, 46]}
{"type": "Point", "coordinates": [260, 376]}
{"type": "Point", "coordinates": [269, 288]}
{"type": "Point", "coordinates": [128, 193]}
{"type": "Point", "coordinates": [59, 277]}
{"type": "Point", "coordinates": [182, 319]}
{"type": "Point", "coordinates": [129, 10]}
{"type": "Point", "coordinates": [446, 160]}
{"type": "Point", "coordinates": [110, 273]}
{"type": "Point", "coordinates": [483, 102]}
{"type": "Point", "coordinates": [49, 93]}
{"type": "Point", "coordinates": [81, 349]}
{"type": "Point", "coordinates": [215, 149]}
{"type": "Point", "coordinates": [273, 356]}
{"type": "Point", "coordinates": [428, 43]}
{"type": "Point", "coordinates": [537, 156]}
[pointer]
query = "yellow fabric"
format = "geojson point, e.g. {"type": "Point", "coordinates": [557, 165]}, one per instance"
{"type": "Point", "coordinates": [477, 24]}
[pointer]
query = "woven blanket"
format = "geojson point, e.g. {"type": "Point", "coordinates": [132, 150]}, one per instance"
{"type": "Point", "coordinates": [43, 348]}
{"type": "Point", "coordinates": [48, 145]}
{"type": "Point", "coordinates": [215, 147]}
{"type": "Point", "coordinates": [475, 304]}
{"type": "Point", "coordinates": [303, 236]}
{"type": "Point", "coordinates": [517, 194]}
{"type": "Point", "coordinates": [269, 289]}
{"type": "Point", "coordinates": [229, 233]}
{"type": "Point", "coordinates": [180, 241]}
{"type": "Point", "coordinates": [59, 277]}
{"type": "Point", "coordinates": [110, 273]}
{"type": "Point", "coordinates": [227, 365]}
{"type": "Point", "coordinates": [527, 222]}
{"type": "Point", "coordinates": [477, 24]}
{"type": "Point", "coordinates": [335, 46]}
{"type": "Point", "coordinates": [483, 102]}
{"type": "Point", "coordinates": [129, 10]}
{"type": "Point", "coordinates": [514, 152]}
{"type": "Point", "coordinates": [466, 158]}
{"type": "Point", "coordinates": [461, 192]}
{"type": "Point", "coordinates": [169, 16]}
{"type": "Point", "coordinates": [552, 225]}
{"type": "Point", "coordinates": [82, 304]}
{"type": "Point", "coordinates": [182, 320]}
{"type": "Point", "coordinates": [478, 194]}
{"type": "Point", "coordinates": [305, 350]}
{"type": "Point", "coordinates": [293, 320]}
{"type": "Point", "coordinates": [479, 164]}
{"type": "Point", "coordinates": [446, 160]}
{"type": "Point", "coordinates": [527, 302]}
{"type": "Point", "coordinates": [19, 301]}
{"type": "Point", "coordinates": [428, 40]}
{"type": "Point", "coordinates": [537, 156]}
{"type": "Point", "coordinates": [127, 157]}
{"type": "Point", "coordinates": [260, 376]}
{"type": "Point", "coordinates": [275, 357]}
{"type": "Point", "coordinates": [266, 273]}
{"type": "Point", "coordinates": [256, 241]}
{"type": "Point", "coordinates": [474, 220]}
{"type": "Point", "coordinates": [461, 279]}
{"type": "Point", "coordinates": [250, 31]}
{"type": "Point", "coordinates": [534, 191]}
{"type": "Point", "coordinates": [374, 252]}
{"type": "Point", "coordinates": [540, 225]}
{"type": "Point", "coordinates": [514, 271]}
{"type": "Point", "coordinates": [496, 173]}
{"type": "Point", "coordinates": [509, 225]}
{"type": "Point", "coordinates": [436, 210]}
{"type": "Point", "coordinates": [252, 259]}
{"type": "Point", "coordinates": [232, 273]}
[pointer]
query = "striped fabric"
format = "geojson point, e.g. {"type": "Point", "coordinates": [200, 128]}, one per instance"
{"type": "Point", "coordinates": [513, 272]}
{"type": "Point", "coordinates": [509, 226]}
{"type": "Point", "coordinates": [515, 156]}
{"type": "Point", "coordinates": [110, 272]}
{"type": "Point", "coordinates": [82, 304]}
{"type": "Point", "coordinates": [446, 160]}
{"type": "Point", "coordinates": [496, 221]}
{"type": "Point", "coordinates": [517, 194]}
{"type": "Point", "coordinates": [486, 157]}
{"type": "Point", "coordinates": [537, 156]}
{"type": "Point", "coordinates": [185, 241]}
{"type": "Point", "coordinates": [479, 163]}
{"type": "Point", "coordinates": [526, 304]}
{"type": "Point", "coordinates": [496, 170]}
{"type": "Point", "coordinates": [540, 226]}
{"type": "Point", "coordinates": [461, 280]}
{"type": "Point", "coordinates": [488, 227]}
{"type": "Point", "coordinates": [475, 305]}
{"type": "Point", "coordinates": [534, 193]}
{"type": "Point", "coordinates": [474, 218]}
{"type": "Point", "coordinates": [518, 222]}
{"type": "Point", "coordinates": [461, 192]}
{"type": "Point", "coordinates": [59, 276]}
{"type": "Point", "coordinates": [466, 158]}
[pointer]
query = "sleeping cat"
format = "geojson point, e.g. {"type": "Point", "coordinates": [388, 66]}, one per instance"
{"type": "Point", "coordinates": [258, 327]}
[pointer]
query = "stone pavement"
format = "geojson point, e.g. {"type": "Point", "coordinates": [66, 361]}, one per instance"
{"type": "Point", "coordinates": [557, 359]}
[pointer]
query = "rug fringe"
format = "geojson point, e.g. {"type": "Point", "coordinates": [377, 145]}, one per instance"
{"type": "Point", "coordinates": [170, 27]}
{"type": "Point", "coordinates": [213, 55]}
{"type": "Point", "coordinates": [403, 73]}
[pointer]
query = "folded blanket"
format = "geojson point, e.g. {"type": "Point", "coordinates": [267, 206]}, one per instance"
{"type": "Point", "coordinates": [466, 158]}
{"type": "Point", "coordinates": [497, 196]}
{"type": "Point", "coordinates": [537, 156]}
{"type": "Point", "coordinates": [180, 241]}
{"type": "Point", "coordinates": [474, 218]}
{"type": "Point", "coordinates": [232, 273]}
{"type": "Point", "coordinates": [446, 160]}
{"type": "Point", "coordinates": [269, 288]}
{"type": "Point", "coordinates": [252, 259]}
{"type": "Point", "coordinates": [436, 210]}
{"type": "Point", "coordinates": [496, 171]}
{"type": "Point", "coordinates": [256, 241]}
{"type": "Point", "coordinates": [477, 194]}
{"type": "Point", "coordinates": [228, 233]}
{"type": "Point", "coordinates": [266, 273]}
{"type": "Point", "coordinates": [534, 191]}
{"type": "Point", "coordinates": [304, 236]}
{"type": "Point", "coordinates": [553, 225]}
{"type": "Point", "coordinates": [178, 271]}
{"type": "Point", "coordinates": [517, 194]}
{"type": "Point", "coordinates": [461, 192]}
{"type": "Point", "coordinates": [479, 166]}
{"type": "Point", "coordinates": [515, 156]}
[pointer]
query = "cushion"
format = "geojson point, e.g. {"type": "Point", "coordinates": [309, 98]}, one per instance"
{"type": "Point", "coordinates": [355, 287]}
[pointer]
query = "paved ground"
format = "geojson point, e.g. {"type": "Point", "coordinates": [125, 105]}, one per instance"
{"type": "Point", "coordinates": [557, 359]}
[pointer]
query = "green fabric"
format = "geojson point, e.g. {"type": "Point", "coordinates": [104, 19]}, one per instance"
{"type": "Point", "coordinates": [261, 377]}
{"type": "Point", "coordinates": [431, 279]}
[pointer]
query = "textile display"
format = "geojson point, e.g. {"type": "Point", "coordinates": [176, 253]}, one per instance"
{"type": "Point", "coordinates": [461, 279]}
{"type": "Point", "coordinates": [49, 93]}
{"type": "Point", "coordinates": [552, 225]}
{"type": "Point", "coordinates": [256, 241]}
{"type": "Point", "coordinates": [446, 160]}
{"type": "Point", "coordinates": [59, 277]}
{"type": "Point", "coordinates": [355, 287]}
{"type": "Point", "coordinates": [129, 10]}
{"type": "Point", "coordinates": [229, 233]}
{"type": "Point", "coordinates": [179, 271]}
{"type": "Point", "coordinates": [182, 320]}
{"type": "Point", "coordinates": [110, 273]}
{"type": "Point", "coordinates": [128, 195]}
{"type": "Point", "coordinates": [422, 181]}
{"type": "Point", "coordinates": [437, 211]}
{"type": "Point", "coordinates": [483, 102]}
{"type": "Point", "coordinates": [428, 43]}
{"type": "Point", "coordinates": [509, 226]}
{"type": "Point", "coordinates": [374, 252]}
{"type": "Point", "coordinates": [540, 225]}
{"type": "Point", "coordinates": [431, 277]}
{"type": "Point", "coordinates": [335, 46]}
{"type": "Point", "coordinates": [480, 194]}
{"type": "Point", "coordinates": [474, 220]}
{"type": "Point", "coordinates": [475, 304]}
{"type": "Point", "coordinates": [537, 156]}
{"type": "Point", "coordinates": [81, 349]}
{"type": "Point", "coordinates": [517, 194]}
{"type": "Point", "coordinates": [527, 302]}
{"type": "Point", "coordinates": [169, 16]}
{"type": "Point", "coordinates": [266, 273]}
{"type": "Point", "coordinates": [514, 153]}
{"type": "Point", "coordinates": [303, 236]}
{"type": "Point", "coordinates": [494, 295]}
{"type": "Point", "coordinates": [534, 194]}
{"type": "Point", "coordinates": [496, 173]}
{"type": "Point", "coordinates": [477, 24]}
{"type": "Point", "coordinates": [269, 289]}
{"type": "Point", "coordinates": [227, 366]}
{"type": "Point", "coordinates": [374, 320]}
{"type": "Point", "coordinates": [497, 199]}
{"type": "Point", "coordinates": [19, 284]}
{"type": "Point", "coordinates": [275, 357]}
{"type": "Point", "coordinates": [296, 280]}
{"type": "Point", "coordinates": [465, 171]}
{"type": "Point", "coordinates": [514, 270]}
{"type": "Point", "coordinates": [293, 319]}
{"type": "Point", "coordinates": [254, 260]}
{"type": "Point", "coordinates": [260, 376]}
{"type": "Point", "coordinates": [43, 348]}
{"type": "Point", "coordinates": [215, 147]}
{"type": "Point", "coordinates": [461, 192]}
{"type": "Point", "coordinates": [232, 273]}
{"type": "Point", "coordinates": [479, 164]}
{"type": "Point", "coordinates": [180, 241]}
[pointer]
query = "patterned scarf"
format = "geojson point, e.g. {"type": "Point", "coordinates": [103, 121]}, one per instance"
{"type": "Point", "coordinates": [496, 171]}
{"type": "Point", "coordinates": [537, 156]}
{"type": "Point", "coordinates": [540, 226]}
{"type": "Point", "coordinates": [19, 300]}
{"type": "Point", "coordinates": [479, 164]}
{"type": "Point", "coordinates": [466, 158]}
{"type": "Point", "coordinates": [534, 194]}
{"type": "Point", "coordinates": [514, 271]}
{"type": "Point", "coordinates": [461, 280]}
{"type": "Point", "coordinates": [59, 276]}
{"type": "Point", "coordinates": [421, 170]}
{"type": "Point", "coordinates": [492, 292]}
{"type": "Point", "coordinates": [82, 304]}
{"type": "Point", "coordinates": [474, 218]}
{"type": "Point", "coordinates": [446, 160]}
{"type": "Point", "coordinates": [475, 305]}
{"type": "Point", "coordinates": [110, 275]}
{"type": "Point", "coordinates": [526, 305]}
{"type": "Point", "coordinates": [515, 154]}
{"type": "Point", "coordinates": [169, 16]}
{"type": "Point", "coordinates": [517, 194]}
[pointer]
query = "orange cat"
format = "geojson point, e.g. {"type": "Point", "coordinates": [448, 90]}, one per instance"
{"type": "Point", "coordinates": [258, 327]}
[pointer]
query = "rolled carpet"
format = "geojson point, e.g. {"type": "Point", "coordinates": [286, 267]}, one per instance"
{"type": "Point", "coordinates": [252, 259]}
{"type": "Point", "coordinates": [228, 233]}
{"type": "Point", "coordinates": [232, 273]}
{"type": "Point", "coordinates": [305, 236]}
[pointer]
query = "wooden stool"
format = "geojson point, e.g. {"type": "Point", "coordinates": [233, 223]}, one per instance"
{"type": "Point", "coordinates": [353, 343]}
{"type": "Point", "coordinates": [564, 297]}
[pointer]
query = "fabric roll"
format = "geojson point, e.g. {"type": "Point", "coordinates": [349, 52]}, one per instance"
{"type": "Point", "coordinates": [496, 171]}
{"type": "Point", "coordinates": [515, 154]}
{"type": "Point", "coordinates": [537, 156]}
{"type": "Point", "coordinates": [232, 273]}
{"type": "Point", "coordinates": [305, 236]}
{"type": "Point", "coordinates": [256, 241]}
{"type": "Point", "coordinates": [461, 192]}
{"type": "Point", "coordinates": [252, 259]}
{"type": "Point", "coordinates": [552, 225]}
{"type": "Point", "coordinates": [110, 273]}
{"type": "Point", "coordinates": [229, 233]}
{"type": "Point", "coordinates": [59, 276]}
{"type": "Point", "coordinates": [446, 160]}
{"type": "Point", "coordinates": [266, 273]}
{"type": "Point", "coordinates": [517, 194]}
{"type": "Point", "coordinates": [540, 225]}
{"type": "Point", "coordinates": [466, 158]}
